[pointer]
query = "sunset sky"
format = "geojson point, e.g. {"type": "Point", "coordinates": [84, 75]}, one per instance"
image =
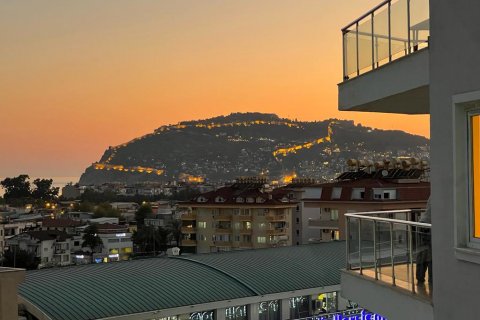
{"type": "Point", "coordinates": [79, 76]}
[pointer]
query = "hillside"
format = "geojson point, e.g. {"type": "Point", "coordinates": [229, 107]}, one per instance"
{"type": "Point", "coordinates": [225, 147]}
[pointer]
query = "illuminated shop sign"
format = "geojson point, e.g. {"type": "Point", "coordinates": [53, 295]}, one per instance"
{"type": "Point", "coordinates": [121, 234]}
{"type": "Point", "coordinates": [349, 315]}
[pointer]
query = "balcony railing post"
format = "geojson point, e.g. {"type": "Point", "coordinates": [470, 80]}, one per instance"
{"type": "Point", "coordinates": [408, 26]}
{"type": "Point", "coordinates": [410, 250]}
{"type": "Point", "coordinates": [347, 238]}
{"type": "Point", "coordinates": [344, 50]}
{"type": "Point", "coordinates": [373, 46]}
{"type": "Point", "coordinates": [358, 55]}
{"type": "Point", "coordinates": [392, 253]}
{"type": "Point", "coordinates": [375, 249]}
{"type": "Point", "coordinates": [360, 245]}
{"type": "Point", "coordinates": [389, 31]}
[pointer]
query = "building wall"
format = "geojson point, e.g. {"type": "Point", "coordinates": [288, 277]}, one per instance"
{"type": "Point", "coordinates": [454, 69]}
{"type": "Point", "coordinates": [242, 228]}
{"type": "Point", "coordinates": [324, 222]}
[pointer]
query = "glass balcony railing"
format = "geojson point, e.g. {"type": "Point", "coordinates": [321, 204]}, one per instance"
{"type": "Point", "coordinates": [392, 247]}
{"type": "Point", "coordinates": [393, 29]}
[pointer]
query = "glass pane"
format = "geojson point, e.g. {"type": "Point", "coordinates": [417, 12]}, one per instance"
{"type": "Point", "coordinates": [384, 252]}
{"type": "Point", "coordinates": [350, 54]}
{"type": "Point", "coordinates": [380, 30]}
{"type": "Point", "coordinates": [403, 274]}
{"type": "Point", "coordinates": [365, 44]}
{"type": "Point", "coordinates": [367, 249]}
{"type": "Point", "coordinates": [399, 28]}
{"type": "Point", "coordinates": [475, 128]}
{"type": "Point", "coordinates": [419, 23]}
{"type": "Point", "coordinates": [353, 256]}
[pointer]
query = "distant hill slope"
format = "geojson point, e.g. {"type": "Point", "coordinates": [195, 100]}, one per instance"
{"type": "Point", "coordinates": [225, 147]}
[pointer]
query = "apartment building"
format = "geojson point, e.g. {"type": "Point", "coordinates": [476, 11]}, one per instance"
{"type": "Point", "coordinates": [419, 57]}
{"type": "Point", "coordinates": [383, 185]}
{"type": "Point", "coordinates": [52, 248]}
{"type": "Point", "coordinates": [248, 214]}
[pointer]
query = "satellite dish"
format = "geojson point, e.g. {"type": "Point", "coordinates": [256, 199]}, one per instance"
{"type": "Point", "coordinates": [384, 173]}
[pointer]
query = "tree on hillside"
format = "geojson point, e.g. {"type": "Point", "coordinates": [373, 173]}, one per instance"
{"type": "Point", "coordinates": [44, 190]}
{"type": "Point", "coordinates": [84, 206]}
{"type": "Point", "coordinates": [106, 210]}
{"type": "Point", "coordinates": [144, 212]}
{"type": "Point", "coordinates": [91, 239]}
{"type": "Point", "coordinates": [17, 189]}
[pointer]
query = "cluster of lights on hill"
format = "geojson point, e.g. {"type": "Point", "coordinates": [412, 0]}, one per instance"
{"type": "Point", "coordinates": [107, 164]}
{"type": "Point", "coordinates": [307, 145]}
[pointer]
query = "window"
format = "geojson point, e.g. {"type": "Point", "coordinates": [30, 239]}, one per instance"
{"type": "Point", "coordinates": [358, 193]}
{"type": "Point", "coordinates": [466, 142]}
{"type": "Point", "coordinates": [334, 214]}
{"type": "Point", "coordinates": [298, 220]}
{"type": "Point", "coordinates": [203, 237]}
{"type": "Point", "coordinates": [384, 194]}
{"type": "Point", "coordinates": [261, 239]}
{"type": "Point", "coordinates": [202, 224]}
{"type": "Point", "coordinates": [475, 174]}
{"type": "Point", "coordinates": [76, 243]}
{"type": "Point", "coordinates": [336, 193]}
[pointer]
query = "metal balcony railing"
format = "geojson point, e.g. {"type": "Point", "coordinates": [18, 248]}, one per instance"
{"type": "Point", "coordinates": [392, 247]}
{"type": "Point", "coordinates": [393, 29]}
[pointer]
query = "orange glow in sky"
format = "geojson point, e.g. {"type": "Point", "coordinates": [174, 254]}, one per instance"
{"type": "Point", "coordinates": [79, 76]}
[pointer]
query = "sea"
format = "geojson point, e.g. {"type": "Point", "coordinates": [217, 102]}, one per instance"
{"type": "Point", "coordinates": [57, 181]}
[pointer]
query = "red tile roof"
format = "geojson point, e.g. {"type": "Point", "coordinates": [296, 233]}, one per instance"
{"type": "Point", "coordinates": [60, 223]}
{"type": "Point", "coordinates": [231, 193]}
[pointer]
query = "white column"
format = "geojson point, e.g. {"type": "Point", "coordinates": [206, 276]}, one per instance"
{"type": "Point", "coordinates": [285, 309]}
{"type": "Point", "coordinates": [252, 311]}
{"type": "Point", "coordinates": [220, 314]}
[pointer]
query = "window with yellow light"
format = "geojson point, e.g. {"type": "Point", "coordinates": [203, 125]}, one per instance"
{"type": "Point", "coordinates": [475, 173]}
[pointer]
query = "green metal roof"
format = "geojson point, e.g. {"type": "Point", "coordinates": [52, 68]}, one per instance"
{"type": "Point", "coordinates": [113, 289]}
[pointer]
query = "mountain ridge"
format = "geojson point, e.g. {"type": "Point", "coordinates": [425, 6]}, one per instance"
{"type": "Point", "coordinates": [223, 147]}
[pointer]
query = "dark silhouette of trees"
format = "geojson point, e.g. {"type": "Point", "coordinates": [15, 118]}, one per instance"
{"type": "Point", "coordinates": [91, 239]}
{"type": "Point", "coordinates": [18, 190]}
{"type": "Point", "coordinates": [14, 258]}
{"type": "Point", "coordinates": [144, 212]}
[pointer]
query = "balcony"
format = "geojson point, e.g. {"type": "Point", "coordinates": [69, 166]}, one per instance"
{"type": "Point", "coordinates": [245, 231]}
{"type": "Point", "coordinates": [386, 59]}
{"type": "Point", "coordinates": [273, 217]}
{"type": "Point", "coordinates": [189, 216]}
{"type": "Point", "coordinates": [275, 232]}
{"type": "Point", "coordinates": [188, 243]}
{"type": "Point", "coordinates": [222, 217]}
{"type": "Point", "coordinates": [245, 245]}
{"type": "Point", "coordinates": [223, 230]}
{"type": "Point", "coordinates": [188, 229]}
{"type": "Point", "coordinates": [323, 224]}
{"type": "Point", "coordinates": [219, 243]}
{"type": "Point", "coordinates": [386, 251]}
{"type": "Point", "coordinates": [243, 218]}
